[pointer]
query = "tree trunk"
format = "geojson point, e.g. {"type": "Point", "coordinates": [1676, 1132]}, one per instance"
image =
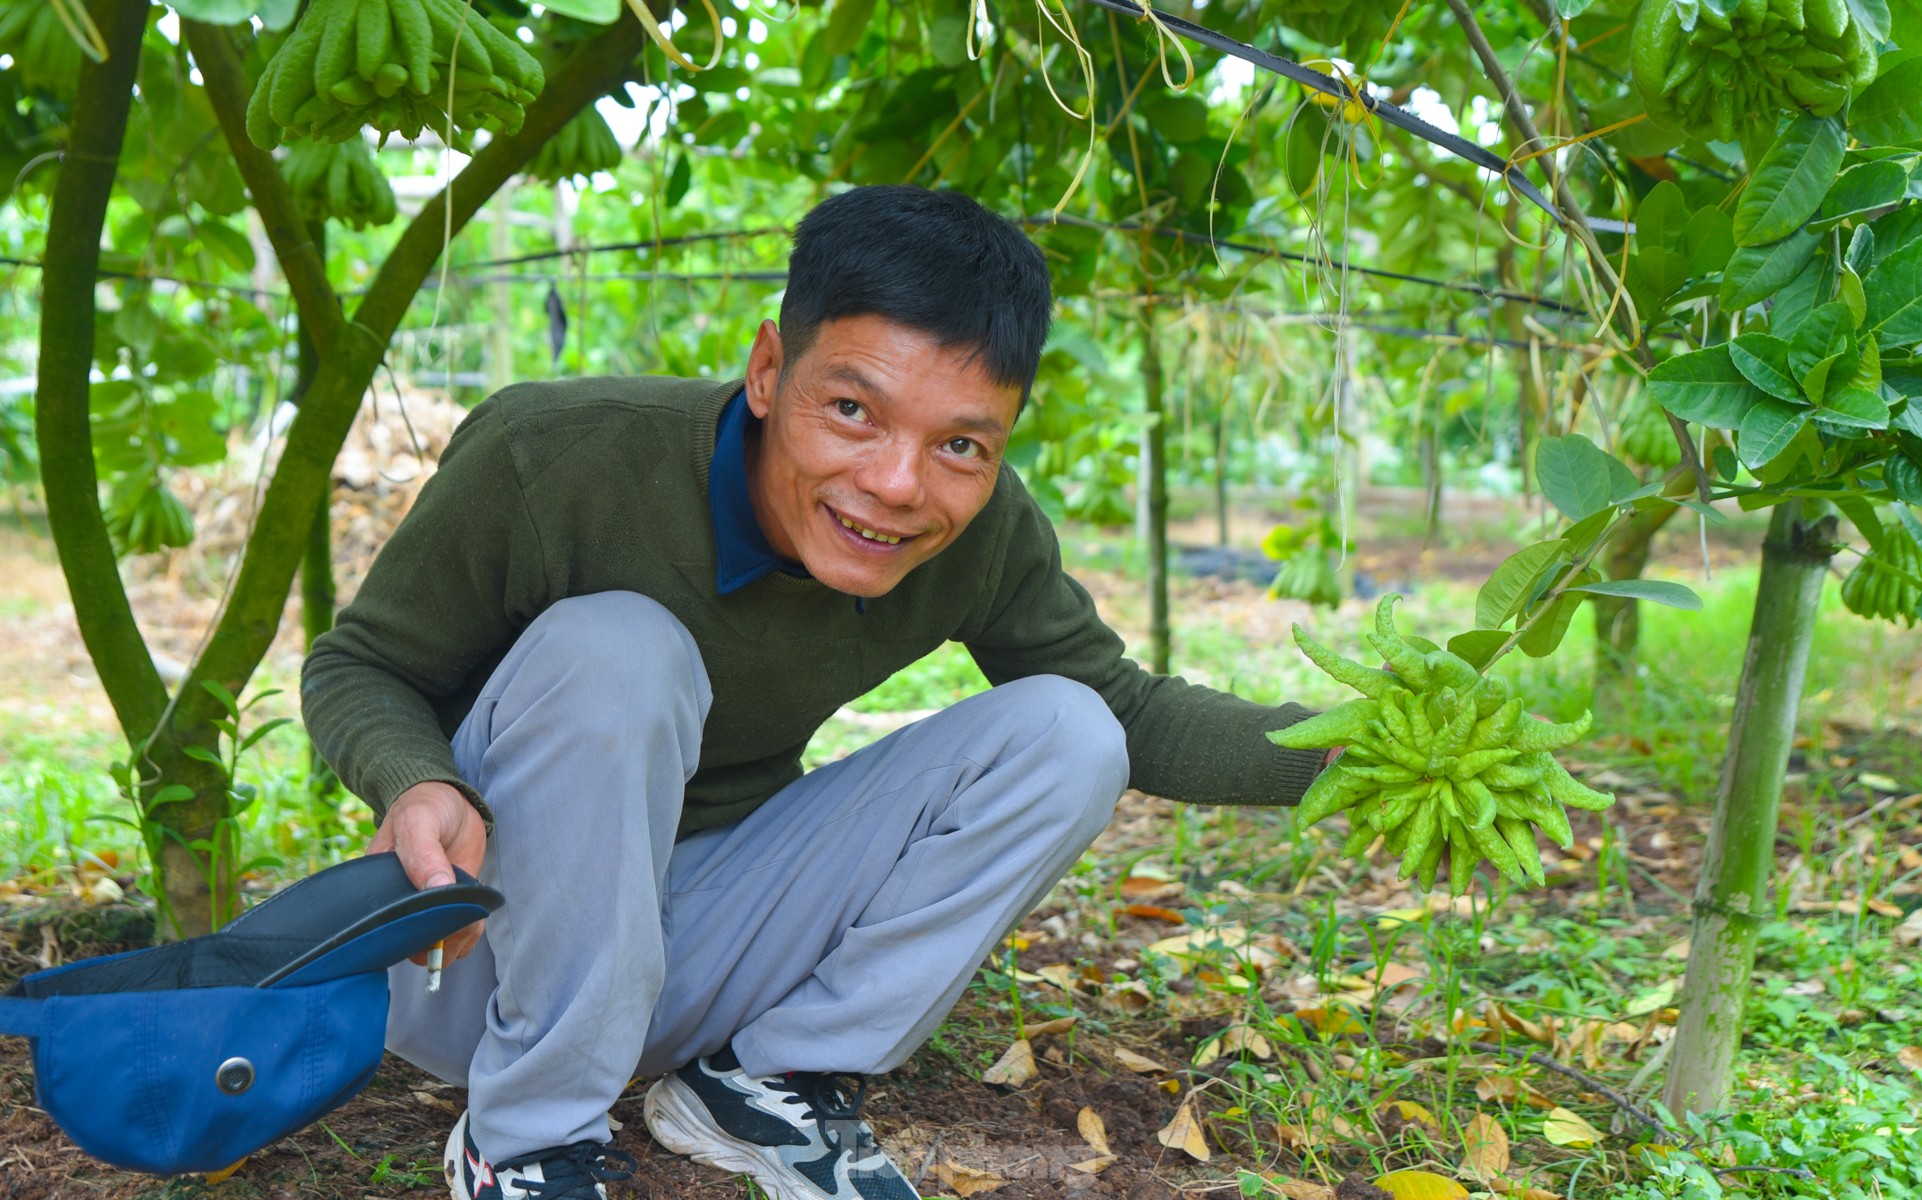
{"type": "Point", "coordinates": [1732, 900]}
{"type": "Point", "coordinates": [317, 564]}
{"type": "Point", "coordinates": [1618, 619]}
{"type": "Point", "coordinates": [1154, 470]}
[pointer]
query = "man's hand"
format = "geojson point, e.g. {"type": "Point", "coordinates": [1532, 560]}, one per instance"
{"type": "Point", "coordinates": [433, 829]}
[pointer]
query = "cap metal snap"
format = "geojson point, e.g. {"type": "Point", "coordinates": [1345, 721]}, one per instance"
{"type": "Point", "coordinates": [235, 1076]}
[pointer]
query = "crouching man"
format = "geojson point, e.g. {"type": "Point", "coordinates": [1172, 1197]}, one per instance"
{"type": "Point", "coordinates": [586, 665]}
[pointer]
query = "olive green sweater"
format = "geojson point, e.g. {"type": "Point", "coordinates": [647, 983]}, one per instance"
{"type": "Point", "coordinates": [564, 489]}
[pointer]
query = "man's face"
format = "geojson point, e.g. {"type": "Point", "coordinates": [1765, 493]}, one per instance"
{"type": "Point", "coordinates": [877, 449]}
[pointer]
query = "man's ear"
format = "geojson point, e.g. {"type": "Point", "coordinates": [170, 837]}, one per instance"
{"type": "Point", "coordinates": [764, 369]}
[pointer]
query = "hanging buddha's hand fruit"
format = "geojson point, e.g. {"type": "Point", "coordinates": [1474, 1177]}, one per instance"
{"type": "Point", "coordinates": [1437, 758]}
{"type": "Point", "coordinates": [393, 66]}
{"type": "Point", "coordinates": [1716, 67]}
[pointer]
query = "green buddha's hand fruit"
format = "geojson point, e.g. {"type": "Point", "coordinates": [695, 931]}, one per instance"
{"type": "Point", "coordinates": [339, 182]}
{"type": "Point", "coordinates": [396, 66]}
{"type": "Point", "coordinates": [1437, 758]}
{"type": "Point", "coordinates": [1737, 65]}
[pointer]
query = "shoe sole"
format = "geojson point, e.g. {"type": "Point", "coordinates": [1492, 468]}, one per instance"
{"type": "Point", "coordinates": [678, 1121]}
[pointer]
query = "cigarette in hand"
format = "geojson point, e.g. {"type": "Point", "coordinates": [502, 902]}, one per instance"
{"type": "Point", "coordinates": [434, 965]}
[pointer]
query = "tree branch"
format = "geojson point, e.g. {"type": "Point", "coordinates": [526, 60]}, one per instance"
{"type": "Point", "coordinates": [326, 412]}
{"type": "Point", "coordinates": [71, 264]}
{"type": "Point", "coordinates": [1517, 113]}
{"type": "Point", "coordinates": [300, 260]}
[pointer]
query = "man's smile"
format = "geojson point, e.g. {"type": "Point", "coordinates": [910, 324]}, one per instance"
{"type": "Point", "coordinates": [874, 537]}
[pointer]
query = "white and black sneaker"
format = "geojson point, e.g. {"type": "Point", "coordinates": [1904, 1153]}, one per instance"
{"type": "Point", "coordinates": [798, 1136]}
{"type": "Point", "coordinates": [577, 1172]}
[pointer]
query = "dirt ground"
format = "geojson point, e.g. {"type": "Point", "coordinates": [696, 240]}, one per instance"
{"type": "Point", "coordinates": [951, 1132]}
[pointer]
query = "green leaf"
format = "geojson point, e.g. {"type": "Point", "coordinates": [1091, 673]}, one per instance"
{"type": "Point", "coordinates": [1582, 534]}
{"type": "Point", "coordinates": [1756, 272]}
{"type": "Point", "coordinates": [1763, 360]}
{"type": "Point", "coordinates": [1863, 189]}
{"type": "Point", "coordinates": [1889, 111]}
{"type": "Point", "coordinates": [846, 23]}
{"type": "Point", "coordinates": [1478, 645]}
{"type": "Point", "coordinates": [1904, 479]}
{"type": "Point", "coordinates": [1660, 218]}
{"type": "Point", "coordinates": [1548, 630]}
{"type": "Point", "coordinates": [1827, 332]}
{"type": "Point", "coordinates": [1569, 9]}
{"type": "Point", "coordinates": [1849, 293]}
{"type": "Point", "coordinates": [1894, 293]}
{"type": "Point", "coordinates": [173, 793]}
{"type": "Point", "coordinates": [262, 732]}
{"type": "Point", "coordinates": [1578, 477]}
{"type": "Point", "coordinates": [1853, 408]}
{"type": "Point", "coordinates": [221, 694]}
{"type": "Point", "coordinates": [1767, 429]}
{"type": "Point", "coordinates": [1177, 117]}
{"type": "Point", "coordinates": [201, 753]}
{"type": "Point", "coordinates": [1704, 387]}
{"type": "Point", "coordinates": [594, 12]}
{"type": "Point", "coordinates": [1872, 16]}
{"type": "Point", "coordinates": [1790, 181]}
{"type": "Point", "coordinates": [215, 12]}
{"type": "Point", "coordinates": [1657, 591]}
{"type": "Point", "coordinates": [1513, 583]}
{"type": "Point", "coordinates": [1301, 156]}
{"type": "Point", "coordinates": [1708, 241]}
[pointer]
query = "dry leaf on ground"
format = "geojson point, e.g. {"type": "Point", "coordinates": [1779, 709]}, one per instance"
{"type": "Point", "coordinates": [1484, 1148]}
{"type": "Point", "coordinates": [1140, 1064]}
{"type": "Point", "coordinates": [1236, 1039]}
{"type": "Point", "coordinates": [1511, 1090]}
{"type": "Point", "coordinates": [1412, 1113]}
{"type": "Point", "coordinates": [1014, 1068]}
{"type": "Point", "coordinates": [1154, 912]}
{"type": "Point", "coordinates": [1185, 1133]}
{"type": "Point", "coordinates": [1564, 1128]}
{"type": "Point", "coordinates": [1910, 1057]}
{"type": "Point", "coordinates": [1421, 1185]}
{"type": "Point", "coordinates": [966, 1181]}
{"type": "Point", "coordinates": [1301, 1189]}
{"type": "Point", "coordinates": [1058, 1025]}
{"type": "Point", "coordinates": [1093, 1129]}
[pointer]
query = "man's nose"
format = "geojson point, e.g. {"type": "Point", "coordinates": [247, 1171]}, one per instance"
{"type": "Point", "coordinates": [893, 475]}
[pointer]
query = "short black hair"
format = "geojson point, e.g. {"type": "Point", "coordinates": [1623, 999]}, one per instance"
{"type": "Point", "coordinates": [933, 261]}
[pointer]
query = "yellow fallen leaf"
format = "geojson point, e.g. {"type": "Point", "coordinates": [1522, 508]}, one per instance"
{"type": "Point", "coordinates": [1185, 1133]}
{"type": "Point", "coordinates": [1301, 1189]}
{"type": "Point", "coordinates": [1910, 1057]}
{"type": "Point", "coordinates": [1094, 1131]}
{"type": "Point", "coordinates": [967, 1181]}
{"type": "Point", "coordinates": [1014, 1068]}
{"type": "Point", "coordinates": [1510, 1090]}
{"type": "Point", "coordinates": [1412, 1113]}
{"type": "Point", "coordinates": [1564, 1128]}
{"type": "Point", "coordinates": [1334, 1021]}
{"type": "Point", "coordinates": [1140, 1064]}
{"type": "Point", "coordinates": [1058, 1025]}
{"type": "Point", "coordinates": [1094, 1166]}
{"type": "Point", "coordinates": [1236, 1039]}
{"type": "Point", "coordinates": [1399, 916]}
{"type": "Point", "coordinates": [225, 1173]}
{"type": "Point", "coordinates": [1658, 997]}
{"type": "Point", "coordinates": [1060, 975]}
{"type": "Point", "coordinates": [1421, 1185]}
{"type": "Point", "coordinates": [1484, 1148]}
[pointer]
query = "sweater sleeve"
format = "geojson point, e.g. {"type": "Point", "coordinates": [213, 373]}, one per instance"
{"type": "Point", "coordinates": [446, 595]}
{"type": "Point", "coordinates": [1185, 741]}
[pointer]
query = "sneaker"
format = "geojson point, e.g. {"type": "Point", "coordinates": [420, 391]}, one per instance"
{"type": "Point", "coordinates": [798, 1136]}
{"type": "Point", "coordinates": [576, 1172]}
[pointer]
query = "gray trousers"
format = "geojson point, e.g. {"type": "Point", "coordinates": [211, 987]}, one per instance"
{"type": "Point", "coordinates": [830, 930]}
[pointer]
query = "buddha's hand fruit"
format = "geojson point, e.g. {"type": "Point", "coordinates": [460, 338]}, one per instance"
{"type": "Point", "coordinates": [1715, 68]}
{"type": "Point", "coordinates": [1437, 759]}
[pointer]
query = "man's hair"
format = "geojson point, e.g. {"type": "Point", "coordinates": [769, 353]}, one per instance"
{"type": "Point", "coordinates": [937, 262]}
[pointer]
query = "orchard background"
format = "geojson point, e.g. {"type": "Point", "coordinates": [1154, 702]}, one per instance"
{"type": "Point", "coordinates": [1589, 328]}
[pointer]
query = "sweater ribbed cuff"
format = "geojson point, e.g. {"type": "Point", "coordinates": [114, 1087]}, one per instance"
{"type": "Point", "coordinates": [381, 787]}
{"type": "Point", "coordinates": [1298, 768]}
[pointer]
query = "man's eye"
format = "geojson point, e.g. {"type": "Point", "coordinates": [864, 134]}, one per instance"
{"type": "Point", "coordinates": [850, 409]}
{"type": "Point", "coordinates": [964, 447]}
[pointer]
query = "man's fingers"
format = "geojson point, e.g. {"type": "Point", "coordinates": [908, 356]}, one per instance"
{"type": "Point", "coordinates": [417, 841]}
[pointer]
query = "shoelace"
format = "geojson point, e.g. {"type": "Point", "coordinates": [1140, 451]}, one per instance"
{"type": "Point", "coordinates": [572, 1173]}
{"type": "Point", "coordinates": [827, 1096]}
